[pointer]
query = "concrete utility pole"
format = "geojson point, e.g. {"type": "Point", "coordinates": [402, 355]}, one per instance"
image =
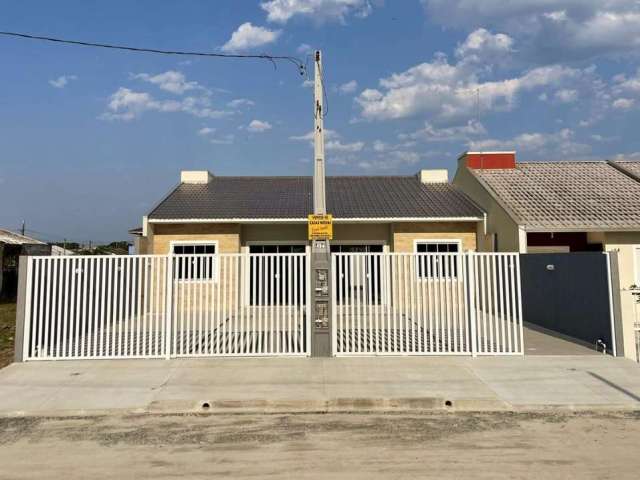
{"type": "Point", "coordinates": [319, 195]}
{"type": "Point", "coordinates": [320, 252]}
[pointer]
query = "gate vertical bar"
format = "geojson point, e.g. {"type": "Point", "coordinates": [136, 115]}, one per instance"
{"type": "Point", "coordinates": [334, 322]}
{"type": "Point", "coordinates": [168, 325]}
{"type": "Point", "coordinates": [472, 302]}
{"type": "Point", "coordinates": [520, 316]}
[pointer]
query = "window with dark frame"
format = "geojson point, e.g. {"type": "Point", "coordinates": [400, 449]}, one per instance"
{"type": "Point", "coordinates": [435, 266]}
{"type": "Point", "coordinates": [192, 268]}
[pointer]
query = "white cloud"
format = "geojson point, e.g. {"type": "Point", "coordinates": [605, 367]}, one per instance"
{"type": "Point", "coordinates": [304, 49]}
{"type": "Point", "coordinates": [550, 30]}
{"type": "Point", "coordinates": [258, 126]}
{"type": "Point", "coordinates": [333, 143]}
{"type": "Point", "coordinates": [429, 133]}
{"type": "Point", "coordinates": [447, 91]}
{"type": "Point", "coordinates": [126, 104]}
{"type": "Point", "coordinates": [566, 95]}
{"type": "Point", "coordinates": [623, 103]}
{"type": "Point", "coordinates": [482, 46]}
{"type": "Point", "coordinates": [348, 87]}
{"type": "Point", "coordinates": [241, 102]}
{"type": "Point", "coordinates": [380, 146]}
{"type": "Point", "coordinates": [338, 146]}
{"type": "Point", "coordinates": [206, 131]}
{"type": "Point", "coordinates": [309, 136]}
{"type": "Point", "coordinates": [248, 36]}
{"type": "Point", "coordinates": [627, 156]}
{"type": "Point", "coordinates": [307, 84]}
{"type": "Point", "coordinates": [170, 81]}
{"type": "Point", "coordinates": [281, 11]}
{"type": "Point", "coordinates": [391, 160]}
{"type": "Point", "coordinates": [223, 140]}
{"type": "Point", "coordinates": [555, 145]}
{"type": "Point", "coordinates": [627, 85]}
{"type": "Point", "coordinates": [62, 81]}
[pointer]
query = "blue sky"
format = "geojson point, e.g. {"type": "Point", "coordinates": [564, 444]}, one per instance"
{"type": "Point", "coordinates": [91, 139]}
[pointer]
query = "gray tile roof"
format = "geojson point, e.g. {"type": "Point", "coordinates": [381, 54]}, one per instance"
{"type": "Point", "coordinates": [567, 195]}
{"type": "Point", "coordinates": [291, 197]}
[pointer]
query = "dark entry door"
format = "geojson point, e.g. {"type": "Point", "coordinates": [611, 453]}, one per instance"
{"type": "Point", "coordinates": [567, 293]}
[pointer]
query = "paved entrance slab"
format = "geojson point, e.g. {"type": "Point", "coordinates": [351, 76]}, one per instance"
{"type": "Point", "coordinates": [319, 385]}
{"type": "Point", "coordinates": [539, 342]}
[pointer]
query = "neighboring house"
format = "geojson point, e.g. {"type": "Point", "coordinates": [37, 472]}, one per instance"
{"type": "Point", "coordinates": [12, 245]}
{"type": "Point", "coordinates": [561, 206]}
{"type": "Point", "coordinates": [57, 250]}
{"type": "Point", "coordinates": [210, 214]}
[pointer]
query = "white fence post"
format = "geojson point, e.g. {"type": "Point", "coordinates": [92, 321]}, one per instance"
{"type": "Point", "coordinates": [333, 289]}
{"type": "Point", "coordinates": [519, 316]}
{"type": "Point", "coordinates": [471, 273]}
{"type": "Point", "coordinates": [168, 328]}
{"type": "Point", "coordinates": [23, 310]}
{"type": "Point", "coordinates": [309, 320]}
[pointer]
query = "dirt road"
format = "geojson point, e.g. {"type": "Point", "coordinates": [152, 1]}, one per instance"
{"type": "Point", "coordinates": [356, 446]}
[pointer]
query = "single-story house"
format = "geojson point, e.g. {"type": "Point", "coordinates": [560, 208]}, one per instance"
{"type": "Point", "coordinates": [559, 206]}
{"type": "Point", "coordinates": [226, 214]}
{"type": "Point", "coordinates": [12, 245]}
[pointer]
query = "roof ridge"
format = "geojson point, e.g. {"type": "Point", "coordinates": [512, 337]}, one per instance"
{"type": "Point", "coordinates": [310, 176]}
{"type": "Point", "coordinates": [569, 162]}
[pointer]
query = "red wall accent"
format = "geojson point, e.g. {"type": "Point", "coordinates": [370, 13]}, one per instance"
{"type": "Point", "coordinates": [490, 160]}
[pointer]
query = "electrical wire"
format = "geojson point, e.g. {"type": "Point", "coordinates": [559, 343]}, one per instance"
{"type": "Point", "coordinates": [263, 56]}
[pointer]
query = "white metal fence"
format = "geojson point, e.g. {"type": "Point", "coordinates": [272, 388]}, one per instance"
{"type": "Point", "coordinates": [151, 306]}
{"type": "Point", "coordinates": [418, 304]}
{"type": "Point", "coordinates": [147, 306]}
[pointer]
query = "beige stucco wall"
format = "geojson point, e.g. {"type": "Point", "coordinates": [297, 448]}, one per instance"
{"type": "Point", "coordinates": [274, 232]}
{"type": "Point", "coordinates": [227, 235]}
{"type": "Point", "coordinates": [356, 232]}
{"type": "Point", "coordinates": [498, 220]}
{"type": "Point", "coordinates": [297, 233]}
{"type": "Point", "coordinates": [404, 234]}
{"type": "Point", "coordinates": [624, 243]}
{"type": "Point", "coordinates": [230, 237]}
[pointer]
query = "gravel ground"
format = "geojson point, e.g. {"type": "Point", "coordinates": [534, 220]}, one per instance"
{"type": "Point", "coordinates": [368, 446]}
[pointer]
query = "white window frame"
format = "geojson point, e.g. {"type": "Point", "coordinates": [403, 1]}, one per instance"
{"type": "Point", "coordinates": [425, 278]}
{"type": "Point", "coordinates": [216, 264]}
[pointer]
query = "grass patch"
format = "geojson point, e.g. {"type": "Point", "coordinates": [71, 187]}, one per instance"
{"type": "Point", "coordinates": [7, 332]}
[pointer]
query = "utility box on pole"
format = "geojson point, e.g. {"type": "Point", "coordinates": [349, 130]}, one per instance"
{"type": "Point", "coordinates": [320, 232]}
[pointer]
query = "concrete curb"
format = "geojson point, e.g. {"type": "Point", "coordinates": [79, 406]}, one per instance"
{"type": "Point", "coordinates": [337, 405]}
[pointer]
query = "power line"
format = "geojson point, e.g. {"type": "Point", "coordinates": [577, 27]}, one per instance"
{"type": "Point", "coordinates": [300, 65]}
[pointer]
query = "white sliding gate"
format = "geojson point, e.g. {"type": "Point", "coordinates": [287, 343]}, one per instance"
{"type": "Point", "coordinates": [152, 306]}
{"type": "Point", "coordinates": [426, 303]}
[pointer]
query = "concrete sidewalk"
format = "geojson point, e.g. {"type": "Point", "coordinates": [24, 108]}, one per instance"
{"type": "Point", "coordinates": [251, 385]}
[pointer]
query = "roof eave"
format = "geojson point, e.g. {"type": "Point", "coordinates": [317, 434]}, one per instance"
{"type": "Point", "coordinates": [304, 220]}
{"type": "Point", "coordinates": [577, 228]}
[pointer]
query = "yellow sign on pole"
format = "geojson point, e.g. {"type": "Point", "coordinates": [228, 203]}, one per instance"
{"type": "Point", "coordinates": [320, 227]}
